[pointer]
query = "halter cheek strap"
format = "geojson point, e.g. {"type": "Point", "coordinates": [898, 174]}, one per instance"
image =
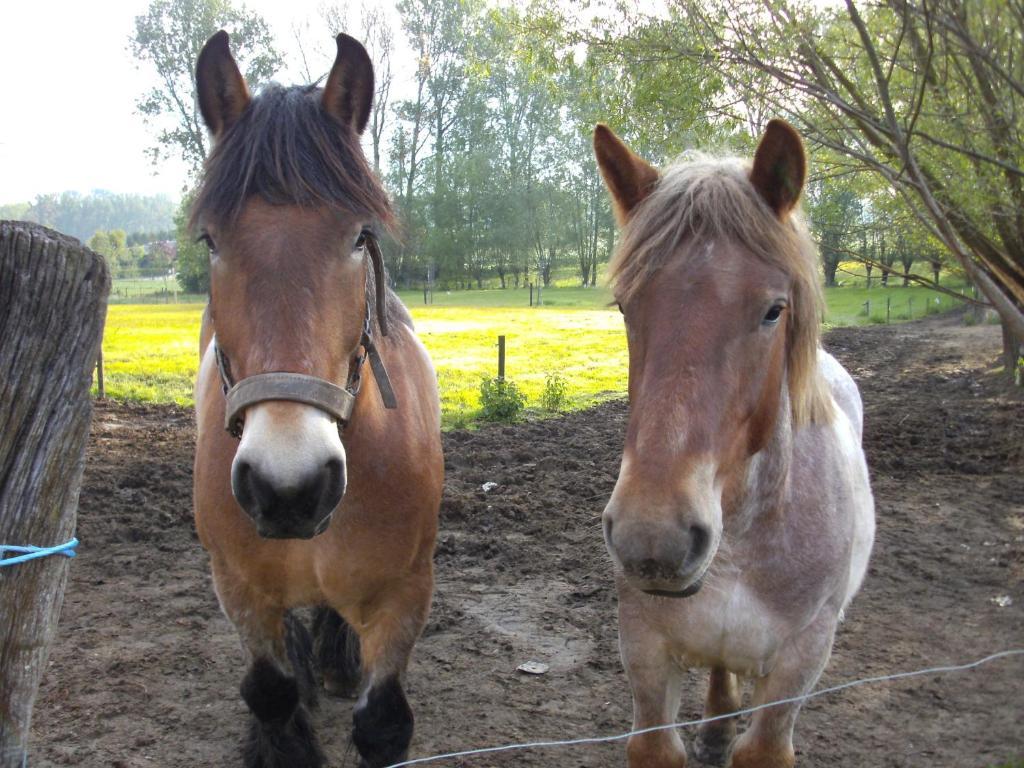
{"type": "Point", "coordinates": [335, 401]}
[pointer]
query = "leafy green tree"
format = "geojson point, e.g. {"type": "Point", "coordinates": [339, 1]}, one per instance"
{"type": "Point", "coordinates": [834, 209]}
{"type": "Point", "coordinates": [168, 38]}
{"type": "Point", "coordinates": [193, 264]}
{"type": "Point", "coordinates": [81, 215]}
{"type": "Point", "coordinates": [925, 95]}
{"type": "Point", "coordinates": [15, 211]}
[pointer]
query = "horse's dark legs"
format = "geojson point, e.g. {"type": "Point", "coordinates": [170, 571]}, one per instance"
{"type": "Point", "coordinates": [336, 648]}
{"type": "Point", "coordinates": [715, 739]}
{"type": "Point", "coordinates": [279, 689]}
{"type": "Point", "coordinates": [278, 686]}
{"type": "Point", "coordinates": [382, 722]}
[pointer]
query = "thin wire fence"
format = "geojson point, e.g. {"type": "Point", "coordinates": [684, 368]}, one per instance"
{"type": "Point", "coordinates": [586, 740]}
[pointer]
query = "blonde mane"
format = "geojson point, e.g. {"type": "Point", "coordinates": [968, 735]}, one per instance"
{"type": "Point", "coordinates": [701, 199]}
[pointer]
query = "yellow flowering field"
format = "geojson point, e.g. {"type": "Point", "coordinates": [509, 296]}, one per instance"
{"type": "Point", "coordinates": [150, 352]}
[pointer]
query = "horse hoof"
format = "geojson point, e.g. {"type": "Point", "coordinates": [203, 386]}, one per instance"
{"type": "Point", "coordinates": [712, 749]}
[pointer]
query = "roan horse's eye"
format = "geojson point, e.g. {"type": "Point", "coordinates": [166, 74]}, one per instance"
{"type": "Point", "coordinates": [361, 240]}
{"type": "Point", "coordinates": [773, 315]}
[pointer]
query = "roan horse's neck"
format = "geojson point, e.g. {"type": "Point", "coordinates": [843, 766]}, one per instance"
{"type": "Point", "coordinates": [765, 480]}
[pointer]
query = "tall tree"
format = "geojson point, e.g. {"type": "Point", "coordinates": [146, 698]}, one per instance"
{"type": "Point", "coordinates": [925, 94]}
{"type": "Point", "coordinates": [168, 37]}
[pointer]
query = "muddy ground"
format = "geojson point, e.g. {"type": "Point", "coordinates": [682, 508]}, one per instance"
{"type": "Point", "coordinates": [145, 671]}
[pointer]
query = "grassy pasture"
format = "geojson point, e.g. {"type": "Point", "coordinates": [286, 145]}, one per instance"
{"type": "Point", "coordinates": [150, 350]}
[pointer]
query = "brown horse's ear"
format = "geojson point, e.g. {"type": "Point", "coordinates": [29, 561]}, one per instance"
{"type": "Point", "coordinates": [629, 178]}
{"type": "Point", "coordinates": [223, 94]}
{"type": "Point", "coordinates": [780, 167]}
{"type": "Point", "coordinates": [348, 94]}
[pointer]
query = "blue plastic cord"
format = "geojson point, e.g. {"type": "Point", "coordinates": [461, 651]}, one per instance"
{"type": "Point", "coordinates": [31, 553]}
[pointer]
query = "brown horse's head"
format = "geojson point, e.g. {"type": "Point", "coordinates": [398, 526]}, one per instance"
{"type": "Point", "coordinates": [717, 281]}
{"type": "Point", "coordinates": [286, 200]}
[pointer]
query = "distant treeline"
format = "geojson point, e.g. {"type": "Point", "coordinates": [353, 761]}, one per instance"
{"type": "Point", "coordinates": [144, 218]}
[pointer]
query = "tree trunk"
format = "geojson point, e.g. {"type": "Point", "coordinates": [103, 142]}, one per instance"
{"type": "Point", "coordinates": [53, 301]}
{"type": "Point", "coordinates": [1013, 349]}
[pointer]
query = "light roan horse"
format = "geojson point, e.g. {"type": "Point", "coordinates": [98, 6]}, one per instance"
{"type": "Point", "coordinates": [742, 519]}
{"type": "Point", "coordinates": [330, 497]}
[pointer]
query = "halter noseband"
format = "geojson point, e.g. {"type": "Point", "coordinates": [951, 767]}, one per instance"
{"type": "Point", "coordinates": [335, 401]}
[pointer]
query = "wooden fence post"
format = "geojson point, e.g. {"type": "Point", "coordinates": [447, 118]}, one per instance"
{"type": "Point", "coordinates": [53, 301]}
{"type": "Point", "coordinates": [101, 391]}
{"type": "Point", "coordinates": [501, 357]}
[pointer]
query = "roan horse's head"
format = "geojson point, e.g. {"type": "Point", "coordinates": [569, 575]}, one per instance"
{"type": "Point", "coordinates": [716, 280]}
{"type": "Point", "coordinates": [285, 205]}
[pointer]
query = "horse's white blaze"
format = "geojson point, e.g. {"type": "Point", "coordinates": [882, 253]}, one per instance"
{"type": "Point", "coordinates": [286, 443]}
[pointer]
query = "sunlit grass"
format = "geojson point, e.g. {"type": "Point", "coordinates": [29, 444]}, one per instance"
{"type": "Point", "coordinates": [150, 351]}
{"type": "Point", "coordinates": [586, 348]}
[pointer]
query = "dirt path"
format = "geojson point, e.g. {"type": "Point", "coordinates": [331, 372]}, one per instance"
{"type": "Point", "coordinates": [146, 670]}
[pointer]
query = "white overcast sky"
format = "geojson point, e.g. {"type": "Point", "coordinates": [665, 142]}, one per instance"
{"type": "Point", "coordinates": [69, 87]}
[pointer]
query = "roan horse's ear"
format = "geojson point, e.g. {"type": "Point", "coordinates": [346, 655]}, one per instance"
{"type": "Point", "coordinates": [629, 178]}
{"type": "Point", "coordinates": [348, 94]}
{"type": "Point", "coordinates": [780, 167]}
{"type": "Point", "coordinates": [223, 94]}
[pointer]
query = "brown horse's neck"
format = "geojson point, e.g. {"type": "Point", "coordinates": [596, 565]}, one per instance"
{"type": "Point", "coordinates": [763, 481]}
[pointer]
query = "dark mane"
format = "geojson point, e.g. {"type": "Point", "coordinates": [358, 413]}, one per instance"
{"type": "Point", "coordinates": [289, 151]}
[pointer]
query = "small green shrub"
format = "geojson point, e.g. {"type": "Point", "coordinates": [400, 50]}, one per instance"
{"type": "Point", "coordinates": [555, 394]}
{"type": "Point", "coordinates": [500, 400]}
{"type": "Point", "coordinates": [460, 418]}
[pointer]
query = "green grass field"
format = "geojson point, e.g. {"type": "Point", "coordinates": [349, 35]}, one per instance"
{"type": "Point", "coordinates": [150, 350]}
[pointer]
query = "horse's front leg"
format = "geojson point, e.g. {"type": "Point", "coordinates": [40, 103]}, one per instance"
{"type": "Point", "coordinates": [382, 721]}
{"type": "Point", "coordinates": [656, 680]}
{"type": "Point", "coordinates": [714, 739]}
{"type": "Point", "coordinates": [768, 742]}
{"type": "Point", "coordinates": [279, 685]}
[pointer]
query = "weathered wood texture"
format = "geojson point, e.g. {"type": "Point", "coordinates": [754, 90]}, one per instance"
{"type": "Point", "coordinates": [53, 302]}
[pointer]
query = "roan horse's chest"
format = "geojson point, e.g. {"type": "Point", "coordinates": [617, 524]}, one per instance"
{"type": "Point", "coordinates": [726, 624]}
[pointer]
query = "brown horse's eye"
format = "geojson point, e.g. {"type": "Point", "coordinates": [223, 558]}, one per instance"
{"type": "Point", "coordinates": [361, 240]}
{"type": "Point", "coordinates": [773, 315]}
{"type": "Point", "coordinates": [205, 238]}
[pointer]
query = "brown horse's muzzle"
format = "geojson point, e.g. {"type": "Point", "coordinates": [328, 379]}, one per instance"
{"type": "Point", "coordinates": [300, 511]}
{"type": "Point", "coordinates": [289, 473]}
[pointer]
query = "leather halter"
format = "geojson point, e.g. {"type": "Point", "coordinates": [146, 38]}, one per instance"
{"type": "Point", "coordinates": [335, 401]}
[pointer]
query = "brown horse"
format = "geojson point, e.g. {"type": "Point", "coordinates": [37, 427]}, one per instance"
{"type": "Point", "coordinates": [330, 496]}
{"type": "Point", "coordinates": [742, 519]}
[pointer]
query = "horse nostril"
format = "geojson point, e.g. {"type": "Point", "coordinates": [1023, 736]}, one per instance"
{"type": "Point", "coordinates": [243, 484]}
{"type": "Point", "coordinates": [332, 484]}
{"type": "Point", "coordinates": [699, 541]}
